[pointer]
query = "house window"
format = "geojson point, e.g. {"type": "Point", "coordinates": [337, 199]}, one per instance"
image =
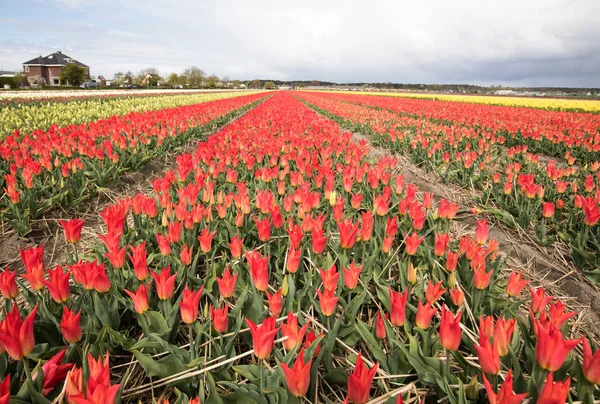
{"type": "Point", "coordinates": [27, 69]}
{"type": "Point", "coordinates": [55, 81]}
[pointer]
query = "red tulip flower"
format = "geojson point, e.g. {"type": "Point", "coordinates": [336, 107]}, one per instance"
{"type": "Point", "coordinates": [539, 300]}
{"type": "Point", "coordinates": [481, 278]}
{"type": "Point", "coordinates": [319, 241]}
{"type": "Point", "coordinates": [503, 333]}
{"type": "Point", "coordinates": [591, 363]}
{"type": "Point", "coordinates": [293, 260]}
{"type": "Point", "coordinates": [16, 335]}
{"type": "Point", "coordinates": [8, 284]}
{"type": "Point", "coordinates": [330, 278]}
{"type": "Point", "coordinates": [206, 238]}
{"type": "Point", "coordinates": [139, 298]}
{"type": "Point", "coordinates": [164, 245]}
{"type": "Point", "coordinates": [264, 228]}
{"type": "Point", "coordinates": [235, 246]}
{"type": "Point", "coordinates": [116, 257]}
{"type": "Point", "coordinates": [551, 349]}
{"type": "Point", "coordinates": [291, 331]}
{"type": "Point", "coordinates": [450, 332]}
{"type": "Point", "coordinates": [259, 269]}
{"type": "Point", "coordinates": [91, 275]}
{"type": "Point", "coordinates": [74, 384]}
{"type": "Point", "coordinates": [397, 306]}
{"type": "Point", "coordinates": [5, 390]}
{"type": "Point", "coordinates": [352, 275]}
{"type": "Point", "coordinates": [452, 260]}
{"type": "Point", "coordinates": [58, 285]}
{"type": "Point", "coordinates": [139, 260]}
{"type": "Point", "coordinates": [386, 246]}
{"type": "Point", "coordinates": [263, 336]}
{"type": "Point", "coordinates": [327, 302]}
{"type": "Point", "coordinates": [425, 314]}
{"type": "Point", "coordinates": [489, 359]}
{"type": "Point", "coordinates": [441, 244]}
{"type": "Point", "coordinates": [368, 222]}
{"type": "Point", "coordinates": [189, 304]}
{"type": "Point", "coordinates": [186, 255]}
{"type": "Point", "coordinates": [515, 284]}
{"type": "Point", "coordinates": [70, 326]}
{"type": "Point", "coordinates": [412, 243]}
{"type": "Point", "coordinates": [297, 378]}
{"type": "Point", "coordinates": [380, 330]}
{"type": "Point", "coordinates": [359, 382]}
{"type": "Point", "coordinates": [457, 297]}
{"type": "Point", "coordinates": [174, 229]}
{"type": "Point", "coordinates": [275, 302]}
{"type": "Point", "coordinates": [54, 372]}
{"type": "Point", "coordinates": [482, 231]}
{"type": "Point", "coordinates": [296, 234]}
{"type": "Point", "coordinates": [219, 318]}
{"type": "Point", "coordinates": [505, 395]}
{"type": "Point", "coordinates": [348, 231]}
{"type": "Point", "coordinates": [165, 283]}
{"type": "Point", "coordinates": [434, 292]}
{"type": "Point", "coordinates": [227, 283]}
{"type": "Point", "coordinates": [311, 337]}
{"type": "Point", "coordinates": [34, 266]}
{"type": "Point", "coordinates": [72, 229]}
{"type": "Point", "coordinates": [553, 393]}
{"type": "Point", "coordinates": [547, 209]}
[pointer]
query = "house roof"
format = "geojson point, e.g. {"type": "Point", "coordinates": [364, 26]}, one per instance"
{"type": "Point", "coordinates": [56, 58]}
{"type": "Point", "coordinates": [7, 72]}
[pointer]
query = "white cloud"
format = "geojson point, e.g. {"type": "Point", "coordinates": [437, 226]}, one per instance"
{"type": "Point", "coordinates": [527, 42]}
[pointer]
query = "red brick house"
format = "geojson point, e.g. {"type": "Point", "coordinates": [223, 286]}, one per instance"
{"type": "Point", "coordinates": [47, 69]}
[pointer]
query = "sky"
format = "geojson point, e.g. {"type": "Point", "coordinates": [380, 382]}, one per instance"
{"type": "Point", "coordinates": [509, 42]}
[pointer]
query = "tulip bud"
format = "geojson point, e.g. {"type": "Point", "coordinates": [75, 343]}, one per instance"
{"type": "Point", "coordinates": [451, 280]}
{"type": "Point", "coordinates": [284, 287]}
{"type": "Point", "coordinates": [472, 389]}
{"type": "Point", "coordinates": [412, 273]}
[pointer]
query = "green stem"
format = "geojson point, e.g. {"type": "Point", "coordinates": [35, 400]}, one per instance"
{"type": "Point", "coordinates": [447, 363]}
{"type": "Point", "coordinates": [28, 375]}
{"type": "Point", "coordinates": [191, 335]}
{"type": "Point", "coordinates": [261, 367]}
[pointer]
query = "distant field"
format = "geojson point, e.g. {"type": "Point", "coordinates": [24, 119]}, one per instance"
{"type": "Point", "coordinates": [558, 104]}
{"type": "Point", "coordinates": [87, 93]}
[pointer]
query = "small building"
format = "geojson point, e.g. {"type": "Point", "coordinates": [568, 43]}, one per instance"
{"type": "Point", "coordinates": [8, 73]}
{"type": "Point", "coordinates": [47, 69]}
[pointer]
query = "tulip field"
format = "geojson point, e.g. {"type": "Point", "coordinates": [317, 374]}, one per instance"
{"type": "Point", "coordinates": [283, 261]}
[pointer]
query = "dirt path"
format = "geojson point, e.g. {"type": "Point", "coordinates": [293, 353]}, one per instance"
{"type": "Point", "coordinates": [543, 266]}
{"type": "Point", "coordinates": [50, 233]}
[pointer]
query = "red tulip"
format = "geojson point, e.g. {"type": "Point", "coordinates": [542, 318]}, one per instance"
{"type": "Point", "coordinates": [5, 390]}
{"type": "Point", "coordinates": [174, 229]}
{"type": "Point", "coordinates": [412, 243]}
{"type": "Point", "coordinates": [505, 395]}
{"type": "Point", "coordinates": [98, 389]}
{"type": "Point", "coordinates": [398, 306]}
{"type": "Point", "coordinates": [186, 255]}
{"type": "Point", "coordinates": [359, 382]}
{"type": "Point", "coordinates": [515, 284]}
{"type": "Point", "coordinates": [434, 292]}
{"type": "Point", "coordinates": [164, 245]}
{"type": "Point", "coordinates": [206, 238]}
{"type": "Point", "coordinates": [368, 222]}
{"type": "Point", "coordinates": [219, 318]}
{"type": "Point", "coordinates": [591, 363]}
{"type": "Point", "coordinates": [189, 304]}
{"type": "Point", "coordinates": [380, 330]}
{"type": "Point", "coordinates": [58, 285]}
{"type": "Point", "coordinates": [116, 257]}
{"type": "Point", "coordinates": [140, 298]}
{"type": "Point", "coordinates": [319, 241]}
{"type": "Point", "coordinates": [91, 275]}
{"type": "Point", "coordinates": [452, 260]}
{"type": "Point", "coordinates": [330, 278]}
{"type": "Point", "coordinates": [352, 275]}
{"type": "Point", "coordinates": [17, 336]}
{"type": "Point", "coordinates": [457, 297]}
{"type": "Point", "coordinates": [293, 260]}
{"type": "Point", "coordinates": [551, 349]}
{"type": "Point", "coordinates": [139, 260]}
{"type": "Point", "coordinates": [547, 209]}
{"type": "Point", "coordinates": [327, 302]}
{"type": "Point", "coordinates": [54, 372]}
{"type": "Point", "coordinates": [481, 278]}
{"type": "Point", "coordinates": [348, 231]}
{"type": "Point", "coordinates": [259, 269]}
{"type": "Point", "coordinates": [70, 326]}
{"type": "Point", "coordinates": [503, 334]}
{"type": "Point", "coordinates": [74, 384]}
{"type": "Point", "coordinates": [553, 393]}
{"type": "Point", "coordinates": [450, 332]}
{"type": "Point", "coordinates": [34, 266]}
{"type": "Point", "coordinates": [297, 378]}
{"type": "Point", "coordinates": [386, 246]}
{"type": "Point", "coordinates": [295, 232]}
{"type": "Point", "coordinates": [72, 229]}
{"type": "Point", "coordinates": [8, 284]}
{"type": "Point", "coordinates": [165, 284]}
{"type": "Point", "coordinates": [425, 314]}
{"type": "Point", "coordinates": [489, 359]}
{"type": "Point", "coordinates": [235, 246]}
{"type": "Point", "coordinates": [227, 283]}
{"type": "Point", "coordinates": [482, 231]}
{"type": "Point", "coordinates": [311, 337]}
{"type": "Point", "coordinates": [264, 228]}
{"type": "Point", "coordinates": [263, 336]}
{"type": "Point", "coordinates": [275, 302]}
{"type": "Point", "coordinates": [291, 331]}
{"type": "Point", "coordinates": [441, 244]}
{"type": "Point", "coordinates": [539, 300]}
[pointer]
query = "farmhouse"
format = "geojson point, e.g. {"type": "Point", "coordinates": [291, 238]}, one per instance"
{"type": "Point", "coordinates": [47, 70]}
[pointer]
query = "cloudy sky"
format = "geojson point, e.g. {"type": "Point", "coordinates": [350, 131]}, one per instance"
{"type": "Point", "coordinates": [509, 42]}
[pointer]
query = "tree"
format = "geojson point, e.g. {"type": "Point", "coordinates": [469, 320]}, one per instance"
{"type": "Point", "coordinates": [269, 85]}
{"type": "Point", "coordinates": [73, 75]}
{"type": "Point", "coordinates": [211, 81]}
{"type": "Point", "coordinates": [18, 79]}
{"type": "Point", "coordinates": [175, 80]}
{"type": "Point", "coordinates": [153, 71]}
{"type": "Point", "coordinates": [255, 84]}
{"type": "Point", "coordinates": [193, 76]}
{"type": "Point", "coordinates": [118, 78]}
{"type": "Point", "coordinates": [236, 83]}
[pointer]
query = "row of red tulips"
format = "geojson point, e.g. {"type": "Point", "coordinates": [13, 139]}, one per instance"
{"type": "Point", "coordinates": [64, 166]}
{"type": "Point", "coordinates": [553, 133]}
{"type": "Point", "coordinates": [554, 200]}
{"type": "Point", "coordinates": [277, 263]}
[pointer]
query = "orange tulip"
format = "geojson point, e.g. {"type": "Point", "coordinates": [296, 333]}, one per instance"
{"type": "Point", "coordinates": [263, 336]}
{"type": "Point", "coordinates": [450, 332]}
{"type": "Point", "coordinates": [591, 363]}
{"type": "Point", "coordinates": [397, 306]}
{"type": "Point", "coordinates": [227, 283]}
{"type": "Point", "coordinates": [553, 393]}
{"type": "Point", "coordinates": [189, 304]}
{"type": "Point", "coordinates": [291, 331]}
{"type": "Point", "coordinates": [359, 382]}
{"type": "Point", "coordinates": [506, 395]}
{"type": "Point", "coordinates": [551, 349]}
{"type": "Point", "coordinates": [297, 378]}
{"type": "Point", "coordinates": [17, 336]}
